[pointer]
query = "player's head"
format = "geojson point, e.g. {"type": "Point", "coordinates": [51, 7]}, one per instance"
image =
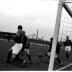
{"type": "Point", "coordinates": [67, 37]}
{"type": "Point", "coordinates": [51, 39]}
{"type": "Point", "coordinates": [20, 27]}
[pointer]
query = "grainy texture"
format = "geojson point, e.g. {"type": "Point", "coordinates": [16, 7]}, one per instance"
{"type": "Point", "coordinates": [39, 64]}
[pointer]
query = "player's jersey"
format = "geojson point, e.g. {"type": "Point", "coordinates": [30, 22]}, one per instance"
{"type": "Point", "coordinates": [19, 36]}
{"type": "Point", "coordinates": [25, 40]}
{"type": "Point", "coordinates": [57, 48]}
{"type": "Point", "coordinates": [67, 43]}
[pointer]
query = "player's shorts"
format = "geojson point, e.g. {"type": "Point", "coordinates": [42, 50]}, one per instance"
{"type": "Point", "coordinates": [16, 48]}
{"type": "Point", "coordinates": [68, 48]}
{"type": "Point", "coordinates": [49, 54]}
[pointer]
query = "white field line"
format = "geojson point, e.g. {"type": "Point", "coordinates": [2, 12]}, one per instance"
{"type": "Point", "coordinates": [64, 67]}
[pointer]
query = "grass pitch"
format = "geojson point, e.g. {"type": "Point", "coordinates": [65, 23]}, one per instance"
{"type": "Point", "coordinates": [39, 64]}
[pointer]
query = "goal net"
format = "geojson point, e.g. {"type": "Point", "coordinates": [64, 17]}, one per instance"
{"type": "Point", "coordinates": [65, 24]}
{"type": "Point", "coordinates": [63, 27]}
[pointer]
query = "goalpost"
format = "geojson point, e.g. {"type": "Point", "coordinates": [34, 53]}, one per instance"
{"type": "Point", "coordinates": [56, 33]}
{"type": "Point", "coordinates": [61, 4]}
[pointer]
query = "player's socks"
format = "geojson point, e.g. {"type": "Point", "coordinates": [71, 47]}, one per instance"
{"type": "Point", "coordinates": [59, 61]}
{"type": "Point", "coordinates": [67, 55]}
{"type": "Point", "coordinates": [9, 56]}
{"type": "Point", "coordinates": [29, 57]}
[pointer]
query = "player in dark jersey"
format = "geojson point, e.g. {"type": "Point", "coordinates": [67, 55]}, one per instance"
{"type": "Point", "coordinates": [57, 51]}
{"type": "Point", "coordinates": [14, 50]}
{"type": "Point", "coordinates": [68, 46]}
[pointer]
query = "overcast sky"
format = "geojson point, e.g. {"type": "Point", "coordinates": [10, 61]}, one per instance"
{"type": "Point", "coordinates": [32, 14]}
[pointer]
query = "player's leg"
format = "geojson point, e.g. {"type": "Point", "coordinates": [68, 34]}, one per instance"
{"type": "Point", "coordinates": [67, 54]}
{"type": "Point", "coordinates": [13, 57]}
{"type": "Point", "coordinates": [48, 55]}
{"type": "Point", "coordinates": [9, 56]}
{"type": "Point", "coordinates": [17, 58]}
{"type": "Point", "coordinates": [67, 50]}
{"type": "Point", "coordinates": [59, 61]}
{"type": "Point", "coordinates": [28, 55]}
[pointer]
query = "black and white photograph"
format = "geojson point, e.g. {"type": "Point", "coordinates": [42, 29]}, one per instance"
{"type": "Point", "coordinates": [35, 35]}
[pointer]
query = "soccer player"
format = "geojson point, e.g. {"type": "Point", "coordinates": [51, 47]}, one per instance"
{"type": "Point", "coordinates": [57, 51]}
{"type": "Point", "coordinates": [68, 46]}
{"type": "Point", "coordinates": [14, 50]}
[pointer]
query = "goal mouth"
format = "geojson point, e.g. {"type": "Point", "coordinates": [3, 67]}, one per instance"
{"type": "Point", "coordinates": [58, 32]}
